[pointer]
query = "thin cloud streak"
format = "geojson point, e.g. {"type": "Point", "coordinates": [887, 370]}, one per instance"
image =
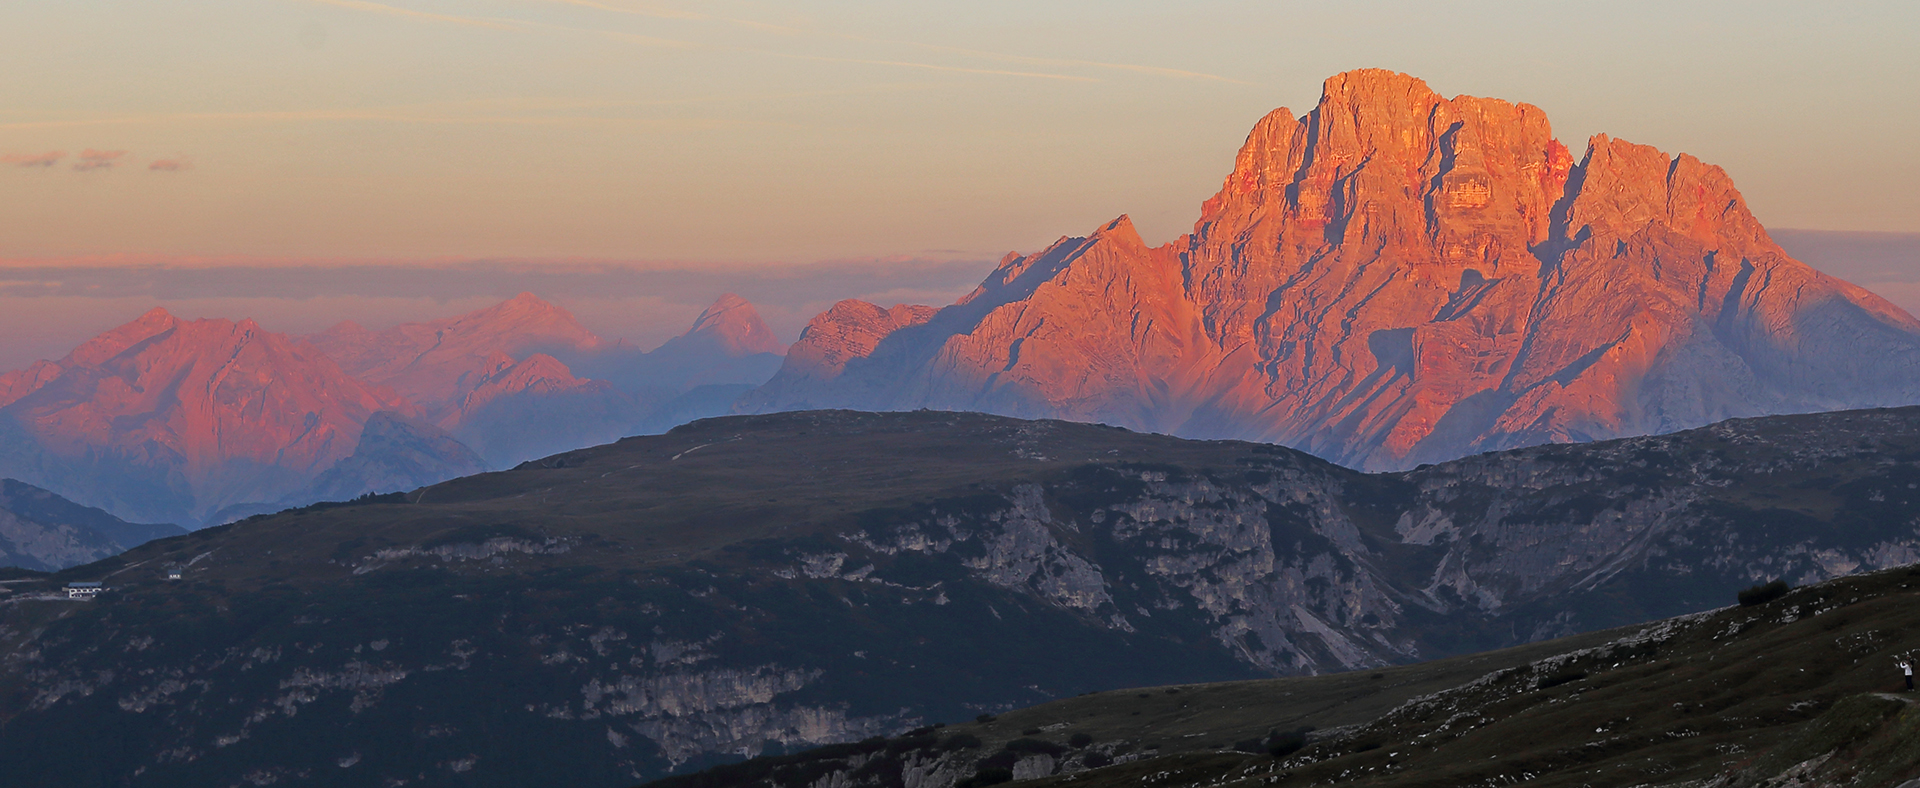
{"type": "Point", "coordinates": [374, 115]}
{"type": "Point", "coordinates": [517, 24]}
{"type": "Point", "coordinates": [1172, 72]}
{"type": "Point", "coordinates": [655, 13]}
{"type": "Point", "coordinates": [171, 165]}
{"type": "Point", "coordinates": [980, 53]}
{"type": "Point", "coordinates": [930, 67]}
{"type": "Point", "coordinates": [47, 159]}
{"type": "Point", "coordinates": [380, 8]}
{"type": "Point", "coordinates": [420, 113]}
{"type": "Point", "coordinates": [91, 159]}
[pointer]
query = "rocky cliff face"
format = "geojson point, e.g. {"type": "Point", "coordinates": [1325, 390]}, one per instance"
{"type": "Point", "coordinates": [1396, 278]}
{"type": "Point", "coordinates": [764, 583]}
{"type": "Point", "coordinates": [45, 532]}
{"type": "Point", "coordinates": [167, 419]}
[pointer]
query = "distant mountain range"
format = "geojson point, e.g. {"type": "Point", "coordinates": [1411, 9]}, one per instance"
{"type": "Point", "coordinates": [763, 583]}
{"type": "Point", "coordinates": [203, 421]}
{"type": "Point", "coordinates": [1391, 279]}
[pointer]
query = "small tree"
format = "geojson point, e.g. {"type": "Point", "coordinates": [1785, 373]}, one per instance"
{"type": "Point", "coordinates": [1281, 744]}
{"type": "Point", "coordinates": [1764, 593]}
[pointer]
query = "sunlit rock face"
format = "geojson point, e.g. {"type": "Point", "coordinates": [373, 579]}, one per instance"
{"type": "Point", "coordinates": [165, 419]}
{"type": "Point", "coordinates": [1395, 278]}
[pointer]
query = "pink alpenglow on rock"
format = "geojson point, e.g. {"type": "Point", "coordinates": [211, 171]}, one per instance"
{"type": "Point", "coordinates": [1394, 278]}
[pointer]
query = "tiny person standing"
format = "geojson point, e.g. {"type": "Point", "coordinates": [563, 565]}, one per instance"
{"type": "Point", "coordinates": [1906, 670]}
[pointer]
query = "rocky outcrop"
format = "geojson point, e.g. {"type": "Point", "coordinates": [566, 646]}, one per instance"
{"type": "Point", "coordinates": [1391, 279]}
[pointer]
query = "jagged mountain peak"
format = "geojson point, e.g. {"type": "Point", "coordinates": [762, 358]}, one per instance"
{"type": "Point", "coordinates": [1121, 230]}
{"type": "Point", "coordinates": [1392, 278]}
{"type": "Point", "coordinates": [117, 340]}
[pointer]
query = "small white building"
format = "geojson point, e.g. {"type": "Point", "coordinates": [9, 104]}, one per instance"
{"type": "Point", "coordinates": [173, 574]}
{"type": "Point", "coordinates": [84, 590]}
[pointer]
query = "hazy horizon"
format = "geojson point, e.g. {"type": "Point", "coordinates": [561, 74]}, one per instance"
{"type": "Point", "coordinates": [47, 309]}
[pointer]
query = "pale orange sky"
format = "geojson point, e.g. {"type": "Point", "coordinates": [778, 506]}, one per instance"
{"type": "Point", "coordinates": [755, 132]}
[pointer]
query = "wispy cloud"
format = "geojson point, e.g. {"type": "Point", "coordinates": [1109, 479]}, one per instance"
{"type": "Point", "coordinates": [486, 111]}
{"type": "Point", "coordinates": [1049, 61]}
{"type": "Point", "coordinates": [655, 41]}
{"type": "Point", "coordinates": [658, 13]}
{"type": "Point", "coordinates": [670, 13]}
{"type": "Point", "coordinates": [47, 159]}
{"type": "Point", "coordinates": [932, 67]}
{"type": "Point", "coordinates": [91, 159]}
{"type": "Point", "coordinates": [389, 10]}
{"type": "Point", "coordinates": [175, 164]}
{"type": "Point", "coordinates": [414, 114]}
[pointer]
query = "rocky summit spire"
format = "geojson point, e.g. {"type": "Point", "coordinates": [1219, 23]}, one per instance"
{"type": "Point", "coordinates": [1398, 277]}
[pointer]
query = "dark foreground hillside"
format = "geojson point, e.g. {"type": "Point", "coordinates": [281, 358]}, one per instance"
{"type": "Point", "coordinates": [1800, 691]}
{"type": "Point", "coordinates": [766, 584]}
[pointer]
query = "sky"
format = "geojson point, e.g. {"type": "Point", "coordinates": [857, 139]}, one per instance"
{"type": "Point", "coordinates": [733, 135]}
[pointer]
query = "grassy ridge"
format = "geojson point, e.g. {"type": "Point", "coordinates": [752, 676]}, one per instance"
{"type": "Point", "coordinates": [1804, 685]}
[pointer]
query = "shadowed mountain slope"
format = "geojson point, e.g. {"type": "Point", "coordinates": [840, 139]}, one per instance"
{"type": "Point", "coordinates": [766, 583]}
{"type": "Point", "coordinates": [395, 454]}
{"type": "Point", "coordinates": [728, 351]}
{"type": "Point", "coordinates": [43, 531]}
{"type": "Point", "coordinates": [728, 344]}
{"type": "Point", "coordinates": [1395, 278]}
